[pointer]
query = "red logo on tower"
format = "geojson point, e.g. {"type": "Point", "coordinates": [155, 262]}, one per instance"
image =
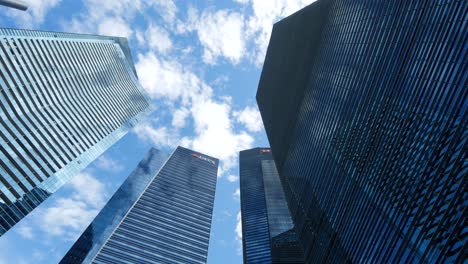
{"type": "Point", "coordinates": [196, 155]}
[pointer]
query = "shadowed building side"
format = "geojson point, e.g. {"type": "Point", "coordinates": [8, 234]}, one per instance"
{"type": "Point", "coordinates": [268, 233]}
{"type": "Point", "coordinates": [365, 107]}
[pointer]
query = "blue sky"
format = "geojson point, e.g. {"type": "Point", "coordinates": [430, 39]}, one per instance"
{"type": "Point", "coordinates": [200, 62]}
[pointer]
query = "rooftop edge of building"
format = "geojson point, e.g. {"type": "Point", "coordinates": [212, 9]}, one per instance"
{"type": "Point", "coordinates": [122, 41]}
{"type": "Point", "coordinates": [286, 71]}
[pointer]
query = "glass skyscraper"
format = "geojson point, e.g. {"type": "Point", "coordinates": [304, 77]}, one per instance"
{"type": "Point", "coordinates": [64, 99]}
{"type": "Point", "coordinates": [365, 107]}
{"type": "Point", "coordinates": [161, 214]}
{"type": "Point", "coordinates": [268, 234]}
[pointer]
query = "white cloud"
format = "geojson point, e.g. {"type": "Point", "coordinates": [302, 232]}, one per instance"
{"type": "Point", "coordinates": [25, 231]}
{"type": "Point", "coordinates": [250, 118]}
{"type": "Point", "coordinates": [236, 36]}
{"type": "Point", "coordinates": [166, 8]}
{"type": "Point", "coordinates": [105, 163]}
{"type": "Point", "coordinates": [238, 231]}
{"type": "Point", "coordinates": [236, 194]}
{"type": "Point", "coordinates": [221, 33]}
{"type": "Point", "coordinates": [114, 26]}
{"type": "Point", "coordinates": [265, 14]}
{"type": "Point", "coordinates": [179, 117]}
{"type": "Point", "coordinates": [213, 131]}
{"type": "Point", "coordinates": [35, 14]}
{"type": "Point", "coordinates": [233, 178]}
{"type": "Point", "coordinates": [215, 135]}
{"type": "Point", "coordinates": [88, 189]}
{"type": "Point", "coordinates": [169, 79]}
{"type": "Point", "coordinates": [105, 17]}
{"type": "Point", "coordinates": [156, 38]}
{"type": "Point", "coordinates": [161, 137]}
{"type": "Point", "coordinates": [241, 1]}
{"type": "Point", "coordinates": [67, 217]}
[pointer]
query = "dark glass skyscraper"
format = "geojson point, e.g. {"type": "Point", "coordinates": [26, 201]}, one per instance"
{"type": "Point", "coordinates": [64, 100]}
{"type": "Point", "coordinates": [268, 234]}
{"type": "Point", "coordinates": [365, 107]}
{"type": "Point", "coordinates": [161, 214]}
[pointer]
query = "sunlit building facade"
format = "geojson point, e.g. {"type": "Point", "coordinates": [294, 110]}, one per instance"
{"type": "Point", "coordinates": [161, 214]}
{"type": "Point", "coordinates": [64, 99]}
{"type": "Point", "coordinates": [268, 234]}
{"type": "Point", "coordinates": [365, 107]}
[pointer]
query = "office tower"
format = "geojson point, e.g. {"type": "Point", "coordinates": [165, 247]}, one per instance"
{"type": "Point", "coordinates": [268, 234]}
{"type": "Point", "coordinates": [64, 99]}
{"type": "Point", "coordinates": [365, 107]}
{"type": "Point", "coordinates": [160, 214]}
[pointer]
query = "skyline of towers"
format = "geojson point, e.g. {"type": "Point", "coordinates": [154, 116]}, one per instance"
{"type": "Point", "coordinates": [64, 99]}
{"type": "Point", "coordinates": [161, 213]}
{"type": "Point", "coordinates": [367, 123]}
{"type": "Point", "coordinates": [365, 108]}
{"type": "Point", "coordinates": [268, 234]}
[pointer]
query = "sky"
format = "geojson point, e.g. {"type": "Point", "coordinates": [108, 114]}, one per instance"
{"type": "Point", "coordinates": [200, 62]}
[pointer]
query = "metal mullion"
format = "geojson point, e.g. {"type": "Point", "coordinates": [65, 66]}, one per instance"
{"type": "Point", "coordinates": [93, 67]}
{"type": "Point", "coordinates": [399, 33]}
{"type": "Point", "coordinates": [12, 139]}
{"type": "Point", "coordinates": [116, 85]}
{"type": "Point", "coordinates": [70, 105]}
{"type": "Point", "coordinates": [57, 94]}
{"type": "Point", "coordinates": [39, 122]}
{"type": "Point", "coordinates": [422, 124]}
{"type": "Point", "coordinates": [124, 78]}
{"type": "Point", "coordinates": [13, 129]}
{"type": "Point", "coordinates": [85, 91]}
{"type": "Point", "coordinates": [363, 117]}
{"type": "Point", "coordinates": [57, 55]}
{"type": "Point", "coordinates": [18, 122]}
{"type": "Point", "coordinates": [113, 110]}
{"type": "Point", "coordinates": [8, 219]}
{"type": "Point", "coordinates": [38, 98]}
{"type": "Point", "coordinates": [379, 194]}
{"type": "Point", "coordinates": [21, 104]}
{"type": "Point", "coordinates": [12, 194]}
{"type": "Point", "coordinates": [83, 65]}
{"type": "Point", "coordinates": [129, 75]}
{"type": "Point", "coordinates": [77, 79]}
{"type": "Point", "coordinates": [108, 66]}
{"type": "Point", "coordinates": [49, 94]}
{"type": "Point", "coordinates": [65, 92]}
{"type": "Point", "coordinates": [5, 194]}
{"type": "Point", "coordinates": [11, 180]}
{"type": "Point", "coordinates": [21, 153]}
{"type": "Point", "coordinates": [84, 140]}
{"type": "Point", "coordinates": [52, 121]}
{"type": "Point", "coordinates": [140, 228]}
{"type": "Point", "coordinates": [125, 84]}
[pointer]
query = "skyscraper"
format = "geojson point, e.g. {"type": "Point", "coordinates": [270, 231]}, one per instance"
{"type": "Point", "coordinates": [365, 107]}
{"type": "Point", "coordinates": [161, 214]}
{"type": "Point", "coordinates": [268, 234]}
{"type": "Point", "coordinates": [64, 99]}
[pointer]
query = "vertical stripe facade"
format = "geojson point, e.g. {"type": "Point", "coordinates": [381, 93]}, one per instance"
{"type": "Point", "coordinates": [102, 227]}
{"type": "Point", "coordinates": [268, 233]}
{"type": "Point", "coordinates": [370, 138]}
{"type": "Point", "coordinates": [64, 99]}
{"type": "Point", "coordinates": [169, 221]}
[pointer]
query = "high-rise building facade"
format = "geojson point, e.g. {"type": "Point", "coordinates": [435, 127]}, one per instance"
{"type": "Point", "coordinates": [268, 234]}
{"type": "Point", "coordinates": [365, 107]}
{"type": "Point", "coordinates": [161, 214]}
{"type": "Point", "coordinates": [64, 99]}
